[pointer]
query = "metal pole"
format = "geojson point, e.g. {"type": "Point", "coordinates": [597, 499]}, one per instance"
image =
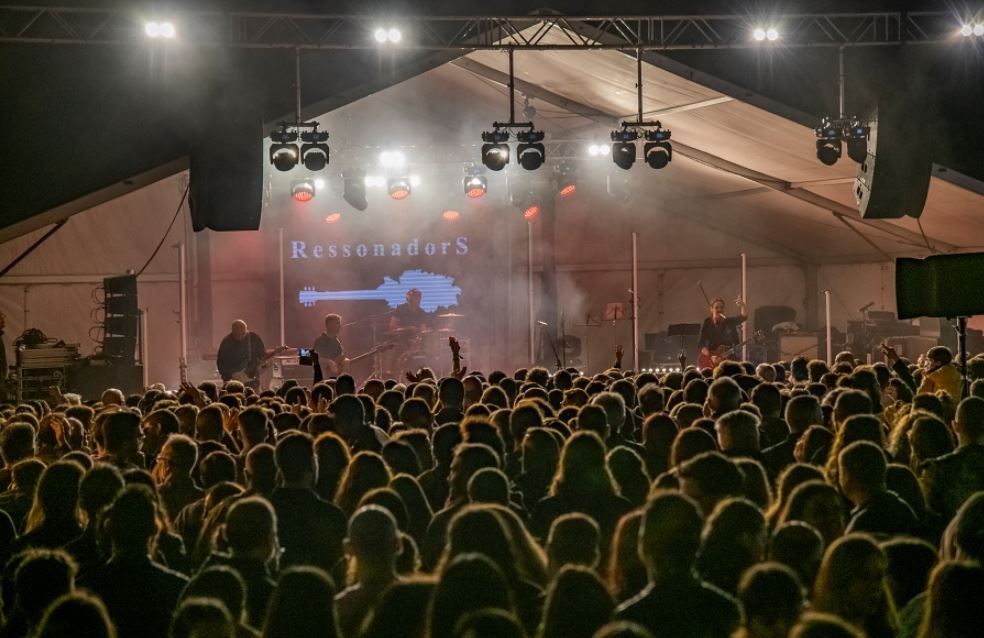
{"type": "Point", "coordinates": [635, 301]}
{"type": "Point", "coordinates": [830, 343]}
{"type": "Point", "coordinates": [744, 298]}
{"type": "Point", "coordinates": [529, 289]}
{"type": "Point", "coordinates": [639, 84]}
{"type": "Point", "coordinates": [512, 90]}
{"type": "Point", "coordinates": [283, 328]}
{"type": "Point", "coordinates": [840, 81]}
{"type": "Point", "coordinates": [297, 81]}
{"type": "Point", "coordinates": [144, 349]}
{"type": "Point", "coordinates": [183, 304]}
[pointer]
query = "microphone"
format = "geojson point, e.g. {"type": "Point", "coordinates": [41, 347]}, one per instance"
{"type": "Point", "coordinates": [542, 323]}
{"type": "Point", "coordinates": [866, 306]}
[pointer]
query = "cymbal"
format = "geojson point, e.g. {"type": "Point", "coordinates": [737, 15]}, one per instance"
{"type": "Point", "coordinates": [451, 315]}
{"type": "Point", "coordinates": [444, 330]}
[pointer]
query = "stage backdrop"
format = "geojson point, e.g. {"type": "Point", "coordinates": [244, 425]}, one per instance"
{"type": "Point", "coordinates": [362, 267]}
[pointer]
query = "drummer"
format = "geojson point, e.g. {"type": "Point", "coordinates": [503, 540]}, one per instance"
{"type": "Point", "coordinates": [409, 316]}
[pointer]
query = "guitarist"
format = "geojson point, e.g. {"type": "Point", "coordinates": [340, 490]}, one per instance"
{"type": "Point", "coordinates": [240, 351]}
{"type": "Point", "coordinates": [328, 347]}
{"type": "Point", "coordinates": [719, 333]}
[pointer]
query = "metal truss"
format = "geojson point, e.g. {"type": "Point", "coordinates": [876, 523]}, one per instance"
{"type": "Point", "coordinates": [95, 26]}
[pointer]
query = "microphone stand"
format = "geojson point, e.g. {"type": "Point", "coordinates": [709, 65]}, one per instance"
{"type": "Point", "coordinates": [553, 343]}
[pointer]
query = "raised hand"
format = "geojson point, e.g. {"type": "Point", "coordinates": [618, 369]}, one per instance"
{"type": "Point", "coordinates": [891, 354]}
{"type": "Point", "coordinates": [682, 358]}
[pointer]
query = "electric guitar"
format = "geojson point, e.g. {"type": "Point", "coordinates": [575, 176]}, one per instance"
{"type": "Point", "coordinates": [334, 368]}
{"type": "Point", "coordinates": [251, 371]}
{"type": "Point", "coordinates": [724, 353]}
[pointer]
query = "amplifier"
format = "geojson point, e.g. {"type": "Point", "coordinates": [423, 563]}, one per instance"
{"type": "Point", "coordinates": [798, 345]}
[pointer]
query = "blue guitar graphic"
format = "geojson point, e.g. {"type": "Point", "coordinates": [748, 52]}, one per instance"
{"type": "Point", "coordinates": [436, 291]}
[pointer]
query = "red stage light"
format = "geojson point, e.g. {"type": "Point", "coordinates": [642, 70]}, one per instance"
{"type": "Point", "coordinates": [475, 193]}
{"type": "Point", "coordinates": [302, 190]}
{"type": "Point", "coordinates": [400, 194]}
{"type": "Point", "coordinates": [451, 215]}
{"type": "Point", "coordinates": [531, 212]}
{"type": "Point", "coordinates": [568, 190]}
{"type": "Point", "coordinates": [332, 218]}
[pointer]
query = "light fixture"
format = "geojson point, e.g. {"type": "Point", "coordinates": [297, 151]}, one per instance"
{"type": "Point", "coordinates": [314, 151]}
{"type": "Point", "coordinates": [474, 183]}
{"type": "Point", "coordinates": [495, 151]}
{"type": "Point", "coordinates": [758, 34]}
{"type": "Point", "coordinates": [566, 179]}
{"type": "Point", "coordinates": [380, 35]}
{"type": "Point", "coordinates": [829, 150]}
{"type": "Point", "coordinates": [332, 218]}
{"type": "Point", "coordinates": [966, 30]}
{"type": "Point", "coordinates": [658, 151]}
{"type": "Point", "coordinates": [354, 189]}
{"type": "Point", "coordinates": [451, 215]}
{"type": "Point", "coordinates": [284, 152]}
{"type": "Point", "coordinates": [530, 151]}
{"type": "Point", "coordinates": [302, 190]}
{"type": "Point", "coordinates": [394, 35]}
{"type": "Point", "coordinates": [391, 35]}
{"type": "Point", "coordinates": [398, 187]}
{"type": "Point", "coordinates": [856, 134]}
{"type": "Point", "coordinates": [160, 30]}
{"type": "Point", "coordinates": [598, 149]}
{"type": "Point", "coordinates": [623, 147]}
{"type": "Point", "coordinates": [772, 34]}
{"type": "Point", "coordinates": [530, 213]}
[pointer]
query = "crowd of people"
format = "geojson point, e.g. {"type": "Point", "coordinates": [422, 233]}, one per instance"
{"type": "Point", "coordinates": [795, 499]}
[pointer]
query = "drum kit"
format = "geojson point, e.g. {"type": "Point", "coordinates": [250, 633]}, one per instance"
{"type": "Point", "coordinates": [418, 347]}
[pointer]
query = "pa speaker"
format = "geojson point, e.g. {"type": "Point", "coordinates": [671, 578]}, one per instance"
{"type": "Point", "coordinates": [227, 172]}
{"type": "Point", "coordinates": [893, 180]}
{"type": "Point", "coordinates": [940, 286]}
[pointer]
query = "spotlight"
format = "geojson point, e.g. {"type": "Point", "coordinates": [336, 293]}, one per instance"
{"type": "Point", "coordinates": [380, 35]}
{"type": "Point", "coordinates": [772, 34]}
{"type": "Point", "coordinates": [759, 34]}
{"type": "Point", "coordinates": [284, 152]}
{"type": "Point", "coordinates": [451, 215]}
{"type": "Point", "coordinates": [398, 187]}
{"type": "Point", "coordinates": [394, 35]}
{"type": "Point", "coordinates": [658, 151]}
{"type": "Point", "coordinates": [623, 147]}
{"type": "Point", "coordinates": [495, 151]}
{"type": "Point", "coordinates": [392, 159]}
{"type": "Point", "coordinates": [354, 190]}
{"type": "Point", "coordinates": [302, 190]}
{"type": "Point", "coordinates": [856, 133]}
{"type": "Point", "coordinates": [829, 151]}
{"type": "Point", "coordinates": [530, 151]}
{"type": "Point", "coordinates": [475, 184]}
{"type": "Point", "coordinates": [598, 149]}
{"type": "Point", "coordinates": [314, 151]}
{"type": "Point", "coordinates": [530, 213]}
{"type": "Point", "coordinates": [567, 179]}
{"type": "Point", "coordinates": [332, 218]}
{"type": "Point", "coordinates": [167, 30]}
{"type": "Point", "coordinates": [153, 29]}
{"type": "Point", "coordinates": [966, 30]}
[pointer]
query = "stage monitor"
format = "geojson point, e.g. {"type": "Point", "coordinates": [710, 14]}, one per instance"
{"type": "Point", "coordinates": [940, 286]}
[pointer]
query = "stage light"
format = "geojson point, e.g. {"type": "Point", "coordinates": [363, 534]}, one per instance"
{"type": "Point", "coordinates": [284, 152]}
{"type": "Point", "coordinates": [658, 151]}
{"type": "Point", "coordinates": [380, 35]}
{"type": "Point", "coordinates": [152, 29]}
{"type": "Point", "coordinates": [354, 190]}
{"type": "Point", "coordinates": [530, 213]}
{"type": "Point", "coordinates": [332, 218]}
{"type": "Point", "coordinates": [530, 151]}
{"type": "Point", "coordinates": [966, 30]}
{"type": "Point", "coordinates": [451, 215]}
{"type": "Point", "coordinates": [856, 134]}
{"type": "Point", "coordinates": [302, 190]}
{"type": "Point", "coordinates": [415, 180]}
{"type": "Point", "coordinates": [623, 147]}
{"type": "Point", "coordinates": [167, 30]}
{"type": "Point", "coordinates": [394, 35]}
{"type": "Point", "coordinates": [758, 34]}
{"type": "Point", "coordinates": [829, 151]}
{"type": "Point", "coordinates": [314, 151]}
{"type": "Point", "coordinates": [495, 151]}
{"type": "Point", "coordinates": [772, 34]}
{"type": "Point", "coordinates": [979, 29]}
{"type": "Point", "coordinates": [398, 187]}
{"type": "Point", "coordinates": [392, 159]}
{"type": "Point", "coordinates": [566, 179]}
{"type": "Point", "coordinates": [475, 184]}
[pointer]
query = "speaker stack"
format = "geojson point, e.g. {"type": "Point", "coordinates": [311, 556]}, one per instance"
{"type": "Point", "coordinates": [121, 321]}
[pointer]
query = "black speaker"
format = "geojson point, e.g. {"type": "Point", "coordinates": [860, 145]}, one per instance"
{"type": "Point", "coordinates": [121, 320]}
{"type": "Point", "coordinates": [893, 180]}
{"type": "Point", "coordinates": [940, 286]}
{"type": "Point", "coordinates": [227, 171]}
{"type": "Point", "coordinates": [768, 316]}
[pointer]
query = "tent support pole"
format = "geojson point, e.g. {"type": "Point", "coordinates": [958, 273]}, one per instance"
{"type": "Point", "coordinates": [529, 290]}
{"type": "Point", "coordinates": [635, 301]}
{"type": "Point", "coordinates": [744, 298]}
{"type": "Point", "coordinates": [830, 343]}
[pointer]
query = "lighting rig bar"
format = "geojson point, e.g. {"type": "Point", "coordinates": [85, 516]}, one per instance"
{"type": "Point", "coordinates": [257, 30]}
{"type": "Point", "coordinates": [458, 154]}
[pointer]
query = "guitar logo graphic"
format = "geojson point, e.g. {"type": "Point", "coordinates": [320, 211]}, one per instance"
{"type": "Point", "coordinates": [436, 291]}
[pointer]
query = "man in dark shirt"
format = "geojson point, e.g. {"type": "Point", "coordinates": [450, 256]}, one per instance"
{"type": "Point", "coordinates": [676, 602]}
{"type": "Point", "coordinates": [328, 347]}
{"type": "Point", "coordinates": [801, 412]}
{"type": "Point", "coordinates": [239, 354]}
{"type": "Point", "coordinates": [410, 314]}
{"type": "Point", "coordinates": [862, 470]}
{"type": "Point", "coordinates": [951, 479]}
{"type": "Point", "coordinates": [718, 330]}
{"type": "Point", "coordinates": [311, 530]}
